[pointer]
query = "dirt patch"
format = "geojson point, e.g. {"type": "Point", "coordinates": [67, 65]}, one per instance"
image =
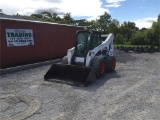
{"type": "Point", "coordinates": [14, 107]}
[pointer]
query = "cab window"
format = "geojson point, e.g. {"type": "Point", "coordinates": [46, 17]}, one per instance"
{"type": "Point", "coordinates": [96, 40]}
{"type": "Point", "coordinates": [83, 41]}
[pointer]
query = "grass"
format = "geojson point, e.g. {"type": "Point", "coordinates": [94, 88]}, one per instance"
{"type": "Point", "coordinates": [127, 45]}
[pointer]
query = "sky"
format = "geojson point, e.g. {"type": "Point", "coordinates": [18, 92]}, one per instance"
{"type": "Point", "coordinates": [142, 12]}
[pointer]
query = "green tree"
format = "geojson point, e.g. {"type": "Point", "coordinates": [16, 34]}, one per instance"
{"type": "Point", "coordinates": [146, 33]}
{"type": "Point", "coordinates": [37, 16]}
{"type": "Point", "coordinates": [46, 14]}
{"type": "Point", "coordinates": [56, 18]}
{"type": "Point", "coordinates": [155, 32]}
{"type": "Point", "coordinates": [1, 11]}
{"type": "Point", "coordinates": [67, 19]}
{"type": "Point", "coordinates": [81, 22]}
{"type": "Point", "coordinates": [119, 39]}
{"type": "Point", "coordinates": [93, 24]}
{"type": "Point", "coordinates": [113, 27]}
{"type": "Point", "coordinates": [127, 29]}
{"type": "Point", "coordinates": [104, 22]}
{"type": "Point", "coordinates": [126, 32]}
{"type": "Point", "coordinates": [138, 38]}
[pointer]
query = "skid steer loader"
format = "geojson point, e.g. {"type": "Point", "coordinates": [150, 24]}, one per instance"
{"type": "Point", "coordinates": [89, 59]}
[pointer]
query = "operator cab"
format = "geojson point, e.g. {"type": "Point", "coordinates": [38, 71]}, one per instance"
{"type": "Point", "coordinates": [85, 41]}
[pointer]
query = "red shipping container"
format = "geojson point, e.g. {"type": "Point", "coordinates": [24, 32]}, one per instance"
{"type": "Point", "coordinates": [51, 41]}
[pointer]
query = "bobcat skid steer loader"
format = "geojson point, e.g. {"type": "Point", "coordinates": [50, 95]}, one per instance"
{"type": "Point", "coordinates": [89, 59]}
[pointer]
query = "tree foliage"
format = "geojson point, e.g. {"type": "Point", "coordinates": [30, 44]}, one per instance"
{"type": "Point", "coordinates": [67, 19]}
{"type": "Point", "coordinates": [119, 39]}
{"type": "Point", "coordinates": [104, 22]}
{"type": "Point", "coordinates": [127, 32]}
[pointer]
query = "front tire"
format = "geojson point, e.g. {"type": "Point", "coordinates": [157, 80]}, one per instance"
{"type": "Point", "coordinates": [99, 65]}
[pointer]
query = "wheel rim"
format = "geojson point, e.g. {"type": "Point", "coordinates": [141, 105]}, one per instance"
{"type": "Point", "coordinates": [113, 64]}
{"type": "Point", "coordinates": [102, 68]}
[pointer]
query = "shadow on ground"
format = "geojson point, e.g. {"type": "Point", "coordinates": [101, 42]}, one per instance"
{"type": "Point", "coordinates": [99, 82]}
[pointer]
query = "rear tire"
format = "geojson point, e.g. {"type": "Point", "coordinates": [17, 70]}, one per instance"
{"type": "Point", "coordinates": [110, 64]}
{"type": "Point", "coordinates": [99, 65]}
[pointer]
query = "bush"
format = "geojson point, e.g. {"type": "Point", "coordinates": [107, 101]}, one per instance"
{"type": "Point", "coordinates": [119, 39]}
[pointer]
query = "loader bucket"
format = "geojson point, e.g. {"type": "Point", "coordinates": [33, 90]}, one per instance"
{"type": "Point", "coordinates": [70, 74]}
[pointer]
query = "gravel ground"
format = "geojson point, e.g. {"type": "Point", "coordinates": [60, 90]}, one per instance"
{"type": "Point", "coordinates": [132, 92]}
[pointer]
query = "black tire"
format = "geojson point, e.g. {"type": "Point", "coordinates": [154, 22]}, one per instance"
{"type": "Point", "coordinates": [99, 65]}
{"type": "Point", "coordinates": [110, 64]}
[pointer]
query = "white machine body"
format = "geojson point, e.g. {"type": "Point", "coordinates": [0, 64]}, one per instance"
{"type": "Point", "coordinates": [107, 45]}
